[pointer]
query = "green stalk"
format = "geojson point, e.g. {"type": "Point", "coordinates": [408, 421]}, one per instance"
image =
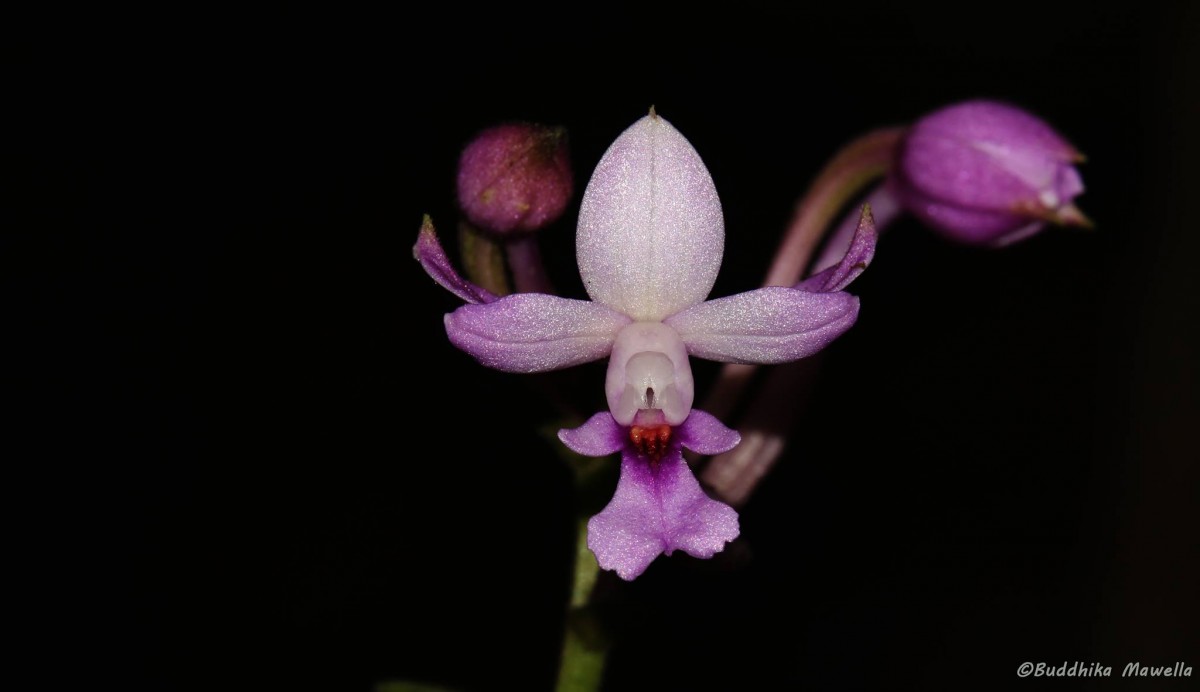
{"type": "Point", "coordinates": [585, 646]}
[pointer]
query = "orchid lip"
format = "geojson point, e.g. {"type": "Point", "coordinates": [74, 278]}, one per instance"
{"type": "Point", "coordinates": [658, 507]}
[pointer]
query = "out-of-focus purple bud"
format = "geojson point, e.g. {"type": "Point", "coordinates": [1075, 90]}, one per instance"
{"type": "Point", "coordinates": [515, 177]}
{"type": "Point", "coordinates": [987, 173]}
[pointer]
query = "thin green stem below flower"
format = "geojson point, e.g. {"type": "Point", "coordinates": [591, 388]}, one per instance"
{"type": "Point", "coordinates": [585, 646]}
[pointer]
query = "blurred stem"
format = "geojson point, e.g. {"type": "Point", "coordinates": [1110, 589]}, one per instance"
{"type": "Point", "coordinates": [483, 259]}
{"type": "Point", "coordinates": [846, 176]}
{"type": "Point", "coordinates": [585, 646]}
{"type": "Point", "coordinates": [885, 208]}
{"type": "Point", "coordinates": [771, 418]}
{"type": "Point", "coordinates": [586, 568]}
{"type": "Point", "coordinates": [528, 270]}
{"type": "Point", "coordinates": [765, 428]}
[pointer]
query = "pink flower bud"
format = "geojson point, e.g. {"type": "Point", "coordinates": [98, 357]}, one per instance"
{"type": "Point", "coordinates": [987, 173]}
{"type": "Point", "coordinates": [515, 177]}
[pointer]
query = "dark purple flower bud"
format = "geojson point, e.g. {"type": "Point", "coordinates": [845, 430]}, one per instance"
{"type": "Point", "coordinates": [515, 177]}
{"type": "Point", "coordinates": [987, 173]}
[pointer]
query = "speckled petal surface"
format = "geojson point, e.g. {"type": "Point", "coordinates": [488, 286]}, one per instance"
{"type": "Point", "coordinates": [598, 437]}
{"type": "Point", "coordinates": [651, 232]}
{"type": "Point", "coordinates": [768, 325]}
{"type": "Point", "coordinates": [704, 434]}
{"type": "Point", "coordinates": [658, 508]}
{"type": "Point", "coordinates": [428, 251]}
{"type": "Point", "coordinates": [856, 259]}
{"type": "Point", "coordinates": [533, 332]}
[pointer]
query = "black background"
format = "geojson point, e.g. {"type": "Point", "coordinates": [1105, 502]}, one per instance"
{"type": "Point", "coordinates": [220, 340]}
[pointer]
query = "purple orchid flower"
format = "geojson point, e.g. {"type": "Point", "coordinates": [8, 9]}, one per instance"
{"type": "Point", "coordinates": [649, 245]}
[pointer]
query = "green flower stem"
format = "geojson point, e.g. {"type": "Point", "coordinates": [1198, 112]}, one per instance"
{"type": "Point", "coordinates": [585, 646]}
{"type": "Point", "coordinates": [586, 568]}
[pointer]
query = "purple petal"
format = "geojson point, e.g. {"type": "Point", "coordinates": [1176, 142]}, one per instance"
{"type": "Point", "coordinates": [704, 434]}
{"type": "Point", "coordinates": [856, 259]}
{"type": "Point", "coordinates": [658, 508]}
{"type": "Point", "coordinates": [650, 232]}
{"type": "Point", "coordinates": [978, 227]}
{"type": "Point", "coordinates": [769, 325]}
{"type": "Point", "coordinates": [428, 251]}
{"type": "Point", "coordinates": [534, 332]}
{"type": "Point", "coordinates": [992, 122]}
{"type": "Point", "coordinates": [968, 175]}
{"type": "Point", "coordinates": [989, 156]}
{"type": "Point", "coordinates": [598, 437]}
{"type": "Point", "coordinates": [1069, 184]}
